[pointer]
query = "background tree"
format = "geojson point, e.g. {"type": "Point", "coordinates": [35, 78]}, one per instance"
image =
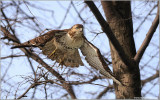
{"type": "Point", "coordinates": [27, 73]}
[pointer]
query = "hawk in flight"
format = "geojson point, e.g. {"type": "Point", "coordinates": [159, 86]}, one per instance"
{"type": "Point", "coordinates": [63, 45]}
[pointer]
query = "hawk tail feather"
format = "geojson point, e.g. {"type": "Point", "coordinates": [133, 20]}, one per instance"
{"type": "Point", "coordinates": [38, 41]}
{"type": "Point", "coordinates": [112, 77]}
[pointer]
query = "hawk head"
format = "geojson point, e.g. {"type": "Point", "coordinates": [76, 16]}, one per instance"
{"type": "Point", "coordinates": [76, 31]}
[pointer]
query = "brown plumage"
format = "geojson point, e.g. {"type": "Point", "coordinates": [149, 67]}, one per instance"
{"type": "Point", "coordinates": [62, 46]}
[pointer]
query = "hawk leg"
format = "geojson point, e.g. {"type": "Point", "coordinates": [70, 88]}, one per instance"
{"type": "Point", "coordinates": [61, 60]}
{"type": "Point", "coordinates": [52, 53]}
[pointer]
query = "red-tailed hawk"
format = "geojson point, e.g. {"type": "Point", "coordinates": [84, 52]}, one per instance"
{"type": "Point", "coordinates": [63, 45]}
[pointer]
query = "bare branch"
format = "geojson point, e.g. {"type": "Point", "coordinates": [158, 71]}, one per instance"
{"type": "Point", "coordinates": [31, 86]}
{"type": "Point", "coordinates": [144, 19]}
{"type": "Point", "coordinates": [148, 38]}
{"type": "Point", "coordinates": [9, 36]}
{"type": "Point", "coordinates": [90, 81]}
{"type": "Point", "coordinates": [4, 15]}
{"type": "Point", "coordinates": [77, 12]}
{"type": "Point", "coordinates": [11, 56]}
{"type": "Point", "coordinates": [150, 78]}
{"type": "Point", "coordinates": [105, 91]}
{"type": "Point", "coordinates": [31, 65]}
{"type": "Point", "coordinates": [65, 16]}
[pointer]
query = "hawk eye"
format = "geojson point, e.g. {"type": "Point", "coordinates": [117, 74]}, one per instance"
{"type": "Point", "coordinates": [76, 27]}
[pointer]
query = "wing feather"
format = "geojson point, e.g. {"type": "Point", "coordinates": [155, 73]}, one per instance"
{"type": "Point", "coordinates": [72, 60]}
{"type": "Point", "coordinates": [94, 58]}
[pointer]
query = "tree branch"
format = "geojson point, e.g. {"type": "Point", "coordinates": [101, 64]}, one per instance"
{"type": "Point", "coordinates": [11, 56]}
{"type": "Point", "coordinates": [105, 91]}
{"type": "Point", "coordinates": [148, 38]}
{"type": "Point", "coordinates": [85, 82]}
{"type": "Point", "coordinates": [31, 86]}
{"type": "Point", "coordinates": [145, 19]}
{"type": "Point", "coordinates": [34, 56]}
{"type": "Point", "coordinates": [106, 28]}
{"type": "Point", "coordinates": [150, 78]}
{"type": "Point", "coordinates": [77, 12]}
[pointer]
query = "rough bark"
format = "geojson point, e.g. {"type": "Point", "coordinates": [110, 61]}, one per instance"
{"type": "Point", "coordinates": [118, 15]}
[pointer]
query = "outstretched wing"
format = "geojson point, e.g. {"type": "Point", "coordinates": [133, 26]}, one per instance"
{"type": "Point", "coordinates": [46, 44]}
{"type": "Point", "coordinates": [94, 58]}
{"type": "Point", "coordinates": [42, 40]}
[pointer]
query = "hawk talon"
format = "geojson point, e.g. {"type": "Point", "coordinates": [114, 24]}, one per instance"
{"type": "Point", "coordinates": [61, 60]}
{"type": "Point", "coordinates": [61, 66]}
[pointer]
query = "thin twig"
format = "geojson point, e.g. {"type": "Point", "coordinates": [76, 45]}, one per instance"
{"type": "Point", "coordinates": [34, 73]}
{"type": "Point", "coordinates": [105, 91]}
{"type": "Point", "coordinates": [77, 12]}
{"type": "Point", "coordinates": [150, 78]}
{"type": "Point", "coordinates": [11, 56]}
{"type": "Point", "coordinates": [31, 86]}
{"type": "Point", "coordinates": [65, 16]}
{"type": "Point", "coordinates": [144, 19]}
{"type": "Point", "coordinates": [85, 82]}
{"type": "Point", "coordinates": [148, 38]}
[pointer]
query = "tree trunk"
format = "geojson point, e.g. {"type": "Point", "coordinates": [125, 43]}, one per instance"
{"type": "Point", "coordinates": [118, 15]}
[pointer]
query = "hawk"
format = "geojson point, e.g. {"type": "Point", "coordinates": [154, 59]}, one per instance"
{"type": "Point", "coordinates": [62, 46]}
